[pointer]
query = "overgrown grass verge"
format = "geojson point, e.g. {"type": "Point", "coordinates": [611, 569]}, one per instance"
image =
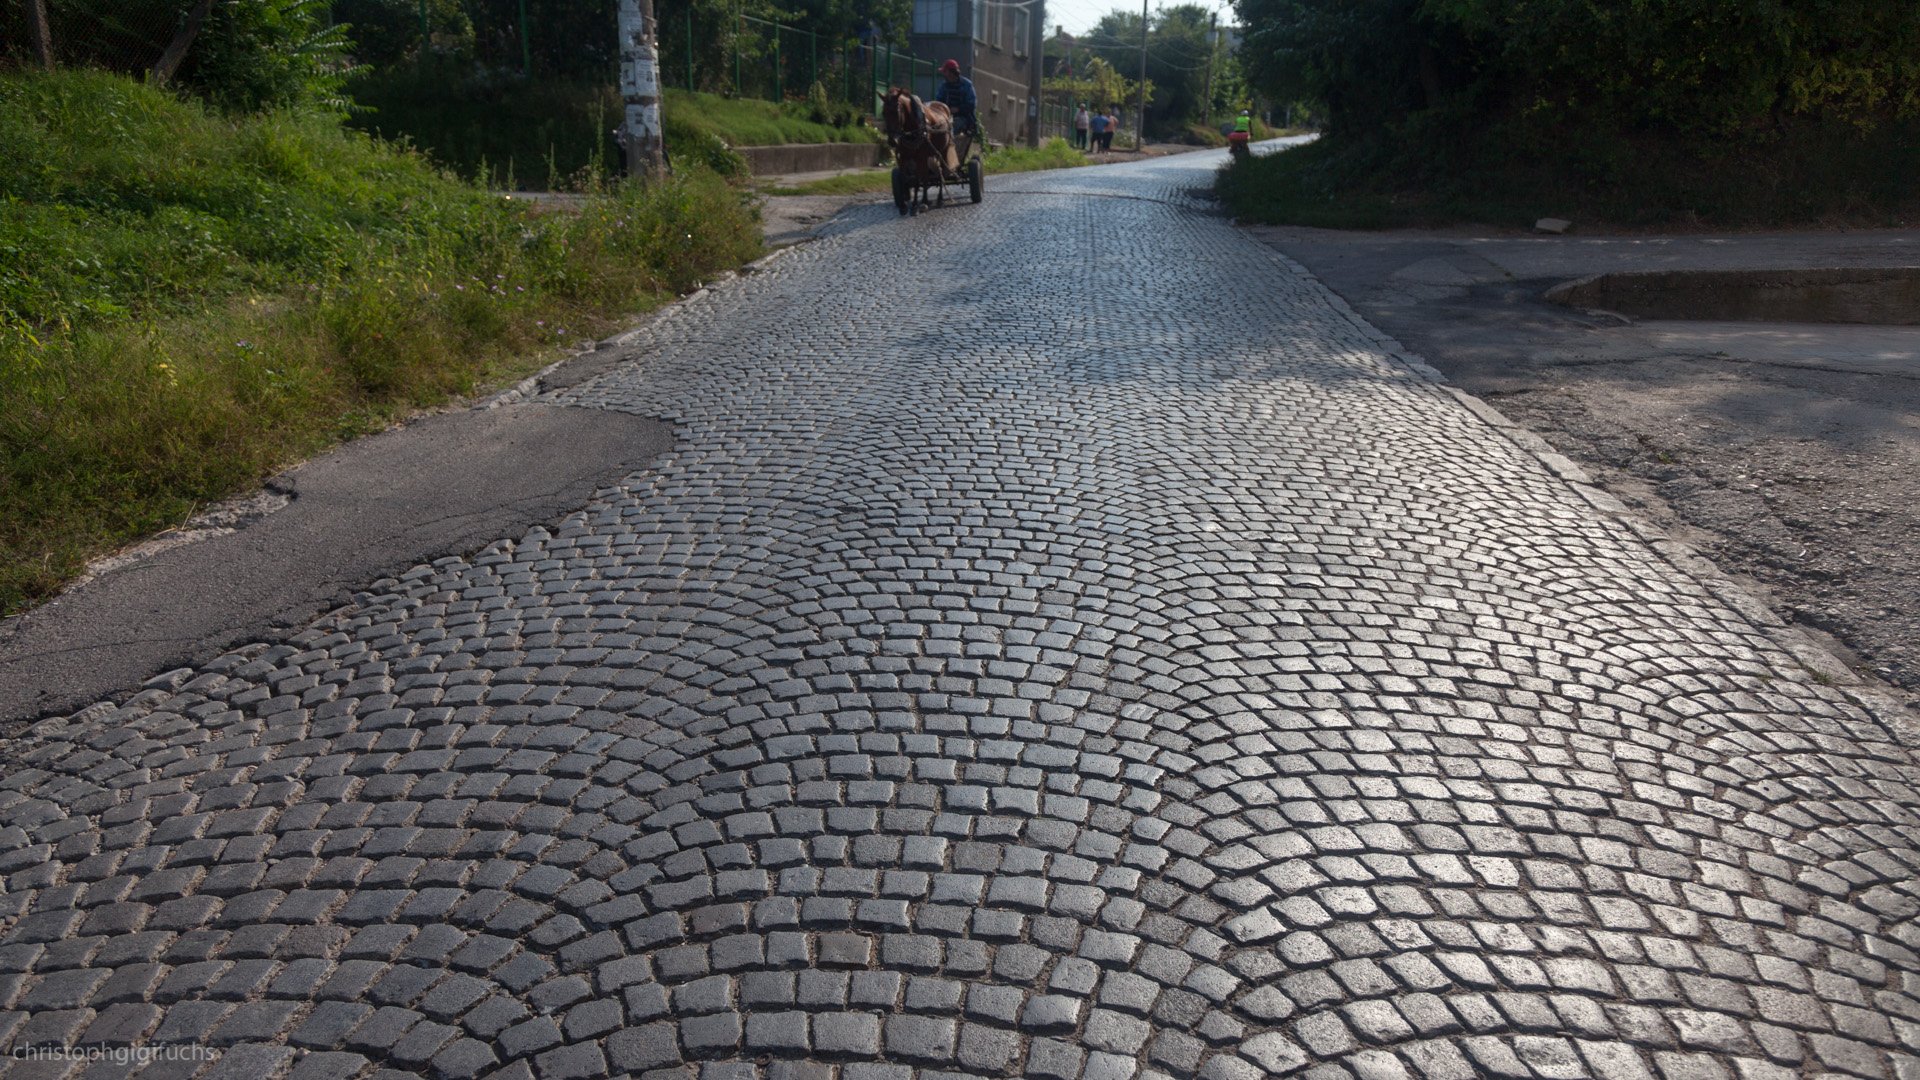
{"type": "Point", "coordinates": [189, 303]}
{"type": "Point", "coordinates": [1794, 177]}
{"type": "Point", "coordinates": [1055, 153]}
{"type": "Point", "coordinates": [749, 122]}
{"type": "Point", "coordinates": [522, 135]}
{"type": "Point", "coordinates": [1205, 135]}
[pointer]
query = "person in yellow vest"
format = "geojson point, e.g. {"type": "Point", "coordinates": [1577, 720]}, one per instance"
{"type": "Point", "coordinates": [1241, 135]}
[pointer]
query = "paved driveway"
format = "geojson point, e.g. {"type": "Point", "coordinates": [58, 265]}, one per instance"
{"type": "Point", "coordinates": [1063, 642]}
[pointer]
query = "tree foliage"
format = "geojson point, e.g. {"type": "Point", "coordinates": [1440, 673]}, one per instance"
{"type": "Point", "coordinates": [574, 40]}
{"type": "Point", "coordinates": [243, 55]}
{"type": "Point", "coordinates": [1180, 45]}
{"type": "Point", "coordinates": [1620, 68]}
{"type": "Point", "coordinates": [1097, 85]}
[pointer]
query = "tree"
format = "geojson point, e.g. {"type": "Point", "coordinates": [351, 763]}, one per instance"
{"type": "Point", "coordinates": [1097, 84]}
{"type": "Point", "coordinates": [1673, 68]}
{"type": "Point", "coordinates": [386, 33]}
{"type": "Point", "coordinates": [1370, 62]}
{"type": "Point", "coordinates": [39, 34]}
{"type": "Point", "coordinates": [1178, 49]}
{"type": "Point", "coordinates": [239, 54]}
{"type": "Point", "coordinates": [176, 50]}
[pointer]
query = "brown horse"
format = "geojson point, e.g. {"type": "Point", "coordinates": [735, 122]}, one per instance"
{"type": "Point", "coordinates": [921, 135]}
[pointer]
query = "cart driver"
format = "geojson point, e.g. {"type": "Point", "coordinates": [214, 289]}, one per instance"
{"type": "Point", "coordinates": [956, 93]}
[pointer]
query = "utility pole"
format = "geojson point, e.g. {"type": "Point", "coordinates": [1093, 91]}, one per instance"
{"type": "Point", "coordinates": [1213, 47]}
{"type": "Point", "coordinates": [1140, 115]}
{"type": "Point", "coordinates": [641, 132]}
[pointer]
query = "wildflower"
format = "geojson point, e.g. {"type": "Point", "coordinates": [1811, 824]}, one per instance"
{"type": "Point", "coordinates": [243, 344]}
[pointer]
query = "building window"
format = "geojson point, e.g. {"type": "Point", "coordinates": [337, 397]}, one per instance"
{"type": "Point", "coordinates": [996, 101]}
{"type": "Point", "coordinates": [1022, 30]}
{"type": "Point", "coordinates": [997, 21]}
{"type": "Point", "coordinates": [936, 16]}
{"type": "Point", "coordinates": [980, 20]}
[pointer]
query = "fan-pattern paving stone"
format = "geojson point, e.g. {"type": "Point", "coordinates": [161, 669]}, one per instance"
{"type": "Point", "coordinates": [1064, 643]}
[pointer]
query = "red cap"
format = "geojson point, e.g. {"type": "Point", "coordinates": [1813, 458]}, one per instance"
{"type": "Point", "coordinates": [951, 65]}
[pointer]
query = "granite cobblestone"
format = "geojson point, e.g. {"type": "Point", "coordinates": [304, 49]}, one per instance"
{"type": "Point", "coordinates": [1116, 661]}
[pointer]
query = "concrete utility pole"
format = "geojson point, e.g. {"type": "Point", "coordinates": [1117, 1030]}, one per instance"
{"type": "Point", "coordinates": [1140, 115]}
{"type": "Point", "coordinates": [1213, 47]}
{"type": "Point", "coordinates": [641, 134]}
{"type": "Point", "coordinates": [38, 32]}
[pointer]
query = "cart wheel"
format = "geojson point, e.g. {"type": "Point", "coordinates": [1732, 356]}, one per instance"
{"type": "Point", "coordinates": [902, 195]}
{"type": "Point", "coordinates": [975, 182]}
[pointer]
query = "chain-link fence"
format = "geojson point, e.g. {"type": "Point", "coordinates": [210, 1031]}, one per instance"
{"type": "Point", "coordinates": [511, 92]}
{"type": "Point", "coordinates": [119, 35]}
{"type": "Point", "coordinates": [742, 56]}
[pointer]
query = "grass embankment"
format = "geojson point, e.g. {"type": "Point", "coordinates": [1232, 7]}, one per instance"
{"type": "Point", "coordinates": [189, 303]}
{"type": "Point", "coordinates": [523, 135]}
{"type": "Point", "coordinates": [1055, 153]}
{"type": "Point", "coordinates": [1830, 177]}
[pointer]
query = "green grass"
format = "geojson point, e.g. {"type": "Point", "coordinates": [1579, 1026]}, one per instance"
{"type": "Point", "coordinates": [546, 135]}
{"type": "Point", "coordinates": [853, 183]}
{"type": "Point", "coordinates": [1055, 153]}
{"type": "Point", "coordinates": [190, 302]}
{"type": "Point", "coordinates": [1793, 177]}
{"type": "Point", "coordinates": [747, 122]}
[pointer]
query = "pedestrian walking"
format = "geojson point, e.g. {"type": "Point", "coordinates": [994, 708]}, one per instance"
{"type": "Point", "coordinates": [1080, 120]}
{"type": "Point", "coordinates": [1099, 129]}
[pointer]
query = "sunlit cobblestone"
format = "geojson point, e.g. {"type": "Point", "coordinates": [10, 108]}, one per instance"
{"type": "Point", "coordinates": [1063, 643]}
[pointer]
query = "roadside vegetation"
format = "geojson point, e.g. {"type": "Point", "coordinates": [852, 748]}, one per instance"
{"type": "Point", "coordinates": [191, 299]}
{"type": "Point", "coordinates": [1055, 153]}
{"type": "Point", "coordinates": [515, 134]}
{"type": "Point", "coordinates": [1689, 113]}
{"type": "Point", "coordinates": [1211, 135]}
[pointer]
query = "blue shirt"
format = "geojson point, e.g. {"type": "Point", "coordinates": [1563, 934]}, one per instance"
{"type": "Point", "coordinates": [1099, 122]}
{"type": "Point", "coordinates": [958, 96]}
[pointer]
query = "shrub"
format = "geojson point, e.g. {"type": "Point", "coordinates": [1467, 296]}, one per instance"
{"type": "Point", "coordinates": [190, 301]}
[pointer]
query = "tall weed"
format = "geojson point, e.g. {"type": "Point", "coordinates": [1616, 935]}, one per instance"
{"type": "Point", "coordinates": [190, 302]}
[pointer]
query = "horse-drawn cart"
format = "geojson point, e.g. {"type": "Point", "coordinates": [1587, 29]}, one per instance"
{"type": "Point", "coordinates": [928, 154]}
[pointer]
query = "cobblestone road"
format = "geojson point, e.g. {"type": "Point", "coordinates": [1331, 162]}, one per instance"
{"type": "Point", "coordinates": [1063, 643]}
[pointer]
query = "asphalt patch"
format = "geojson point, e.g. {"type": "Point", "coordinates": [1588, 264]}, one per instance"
{"type": "Point", "coordinates": [446, 484]}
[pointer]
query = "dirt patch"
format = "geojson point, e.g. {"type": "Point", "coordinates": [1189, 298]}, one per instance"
{"type": "Point", "coordinates": [792, 219]}
{"type": "Point", "coordinates": [1803, 481]}
{"type": "Point", "coordinates": [1789, 455]}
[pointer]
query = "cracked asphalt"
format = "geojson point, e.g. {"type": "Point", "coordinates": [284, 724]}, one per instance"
{"type": "Point", "coordinates": [1063, 641]}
